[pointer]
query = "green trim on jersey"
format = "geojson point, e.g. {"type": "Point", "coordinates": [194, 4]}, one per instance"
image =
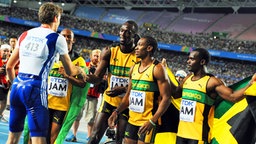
{"type": "Point", "coordinates": [198, 96]}
{"type": "Point", "coordinates": [119, 70]}
{"type": "Point", "coordinates": [142, 85]}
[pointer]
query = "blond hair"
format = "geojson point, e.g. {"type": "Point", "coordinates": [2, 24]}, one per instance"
{"type": "Point", "coordinates": [95, 51]}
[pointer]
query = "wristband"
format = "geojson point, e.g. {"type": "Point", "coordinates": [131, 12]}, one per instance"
{"type": "Point", "coordinates": [152, 122]}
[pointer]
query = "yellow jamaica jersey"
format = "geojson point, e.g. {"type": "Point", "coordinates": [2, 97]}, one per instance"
{"type": "Point", "coordinates": [59, 88]}
{"type": "Point", "coordinates": [196, 111]}
{"type": "Point", "coordinates": [118, 75]}
{"type": "Point", "coordinates": [143, 99]}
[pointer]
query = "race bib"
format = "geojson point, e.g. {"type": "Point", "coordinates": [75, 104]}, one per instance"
{"type": "Point", "coordinates": [137, 101]}
{"type": "Point", "coordinates": [187, 110]}
{"type": "Point", "coordinates": [35, 52]}
{"type": "Point", "coordinates": [58, 86]}
{"type": "Point", "coordinates": [34, 47]}
{"type": "Point", "coordinates": [118, 81]}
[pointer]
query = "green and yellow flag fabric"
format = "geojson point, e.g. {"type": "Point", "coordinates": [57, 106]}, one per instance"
{"type": "Point", "coordinates": [236, 123]}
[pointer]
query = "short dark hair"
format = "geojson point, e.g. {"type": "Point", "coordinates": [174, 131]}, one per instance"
{"type": "Point", "coordinates": [135, 27]}
{"type": "Point", "coordinates": [13, 36]}
{"type": "Point", "coordinates": [203, 54]}
{"type": "Point", "coordinates": [152, 42]}
{"type": "Point", "coordinates": [48, 11]}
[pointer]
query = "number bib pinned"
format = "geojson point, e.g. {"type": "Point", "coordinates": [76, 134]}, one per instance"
{"type": "Point", "coordinates": [187, 110]}
{"type": "Point", "coordinates": [58, 86]}
{"type": "Point", "coordinates": [137, 101]}
{"type": "Point", "coordinates": [119, 81]}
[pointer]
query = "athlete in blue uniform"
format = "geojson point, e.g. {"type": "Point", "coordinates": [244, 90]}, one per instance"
{"type": "Point", "coordinates": [36, 51]}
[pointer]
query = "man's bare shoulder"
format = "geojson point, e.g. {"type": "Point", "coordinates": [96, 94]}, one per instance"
{"type": "Point", "coordinates": [213, 83]}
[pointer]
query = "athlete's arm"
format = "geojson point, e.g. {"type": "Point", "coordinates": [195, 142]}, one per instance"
{"type": "Point", "coordinates": [74, 80]}
{"type": "Point", "coordinates": [101, 68]}
{"type": "Point", "coordinates": [10, 66]}
{"type": "Point", "coordinates": [70, 69]}
{"type": "Point", "coordinates": [216, 85]}
{"type": "Point", "coordinates": [178, 91]}
{"type": "Point", "coordinates": [62, 49]}
{"type": "Point", "coordinates": [164, 88]}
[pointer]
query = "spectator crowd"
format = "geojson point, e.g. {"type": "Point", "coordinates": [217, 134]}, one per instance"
{"type": "Point", "coordinates": [229, 70]}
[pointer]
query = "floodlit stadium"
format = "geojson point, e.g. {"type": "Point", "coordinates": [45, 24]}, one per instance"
{"type": "Point", "coordinates": [226, 28]}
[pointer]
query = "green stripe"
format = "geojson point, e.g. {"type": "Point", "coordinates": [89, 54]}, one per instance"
{"type": "Point", "coordinates": [54, 72]}
{"type": "Point", "coordinates": [221, 105]}
{"type": "Point", "coordinates": [26, 136]}
{"type": "Point", "coordinates": [214, 141]}
{"type": "Point", "coordinates": [197, 96]}
{"type": "Point", "coordinates": [119, 70]}
{"type": "Point", "coordinates": [143, 85]}
{"type": "Point", "coordinates": [152, 140]}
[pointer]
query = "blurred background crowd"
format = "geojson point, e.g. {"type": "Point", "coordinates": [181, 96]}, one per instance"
{"type": "Point", "coordinates": [229, 70]}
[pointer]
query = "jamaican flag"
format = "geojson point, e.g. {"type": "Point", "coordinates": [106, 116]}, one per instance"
{"type": "Point", "coordinates": [236, 123]}
{"type": "Point", "coordinates": [170, 119]}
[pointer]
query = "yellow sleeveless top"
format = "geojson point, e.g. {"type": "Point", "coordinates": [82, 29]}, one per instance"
{"type": "Point", "coordinates": [143, 96]}
{"type": "Point", "coordinates": [196, 111]}
{"type": "Point", "coordinates": [59, 88]}
{"type": "Point", "coordinates": [118, 75]}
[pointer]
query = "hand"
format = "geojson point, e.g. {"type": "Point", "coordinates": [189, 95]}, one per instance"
{"type": "Point", "coordinates": [81, 73]}
{"type": "Point", "coordinates": [62, 72]}
{"type": "Point", "coordinates": [253, 80]}
{"type": "Point", "coordinates": [116, 91]}
{"type": "Point", "coordinates": [251, 90]}
{"type": "Point", "coordinates": [164, 62]}
{"type": "Point", "coordinates": [112, 120]}
{"type": "Point", "coordinates": [146, 128]}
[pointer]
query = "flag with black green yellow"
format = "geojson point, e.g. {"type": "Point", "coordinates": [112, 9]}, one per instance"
{"type": "Point", "coordinates": [235, 123]}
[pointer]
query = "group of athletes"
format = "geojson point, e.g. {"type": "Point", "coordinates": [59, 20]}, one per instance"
{"type": "Point", "coordinates": [139, 88]}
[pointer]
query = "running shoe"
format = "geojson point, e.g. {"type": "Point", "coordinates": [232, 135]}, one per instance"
{"type": "Point", "coordinates": [72, 138]}
{"type": "Point", "coordinates": [3, 119]}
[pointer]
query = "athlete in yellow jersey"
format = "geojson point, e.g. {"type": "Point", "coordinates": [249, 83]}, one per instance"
{"type": "Point", "coordinates": [196, 112]}
{"type": "Point", "coordinates": [117, 60]}
{"type": "Point", "coordinates": [148, 83]}
{"type": "Point", "coordinates": [118, 75]}
{"type": "Point", "coordinates": [60, 88]}
{"type": "Point", "coordinates": [199, 91]}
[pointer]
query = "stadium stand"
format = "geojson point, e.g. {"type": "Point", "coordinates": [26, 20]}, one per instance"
{"type": "Point", "coordinates": [120, 16]}
{"type": "Point", "coordinates": [165, 19]}
{"type": "Point", "coordinates": [93, 13]}
{"type": "Point", "coordinates": [148, 17]}
{"type": "Point", "coordinates": [233, 24]}
{"type": "Point", "coordinates": [230, 70]}
{"type": "Point", "coordinates": [193, 23]}
{"type": "Point", "coordinates": [249, 34]}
